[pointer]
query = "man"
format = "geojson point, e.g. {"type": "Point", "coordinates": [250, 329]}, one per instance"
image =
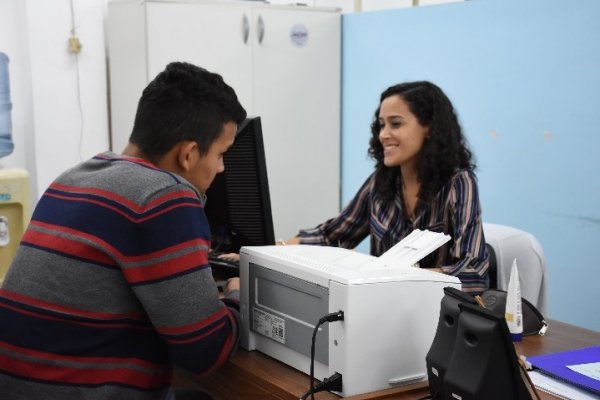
{"type": "Point", "coordinates": [111, 286]}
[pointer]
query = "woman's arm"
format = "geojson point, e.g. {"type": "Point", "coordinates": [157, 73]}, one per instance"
{"type": "Point", "coordinates": [347, 229]}
{"type": "Point", "coordinates": [468, 256]}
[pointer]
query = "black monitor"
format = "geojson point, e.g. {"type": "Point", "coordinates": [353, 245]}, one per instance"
{"type": "Point", "coordinates": [238, 203]}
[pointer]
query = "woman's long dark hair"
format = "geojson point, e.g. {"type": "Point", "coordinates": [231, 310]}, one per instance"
{"type": "Point", "coordinates": [444, 152]}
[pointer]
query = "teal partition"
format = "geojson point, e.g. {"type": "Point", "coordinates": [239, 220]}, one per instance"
{"type": "Point", "coordinates": [524, 76]}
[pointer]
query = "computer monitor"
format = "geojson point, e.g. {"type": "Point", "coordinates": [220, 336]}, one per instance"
{"type": "Point", "coordinates": [238, 203]}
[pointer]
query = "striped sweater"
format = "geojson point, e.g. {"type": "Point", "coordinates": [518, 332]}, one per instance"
{"type": "Point", "coordinates": [455, 211]}
{"type": "Point", "coordinates": [111, 287]}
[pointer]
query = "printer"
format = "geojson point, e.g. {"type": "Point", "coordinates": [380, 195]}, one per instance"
{"type": "Point", "coordinates": [390, 313]}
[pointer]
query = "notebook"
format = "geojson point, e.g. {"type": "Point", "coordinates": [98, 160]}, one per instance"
{"type": "Point", "coordinates": [579, 367]}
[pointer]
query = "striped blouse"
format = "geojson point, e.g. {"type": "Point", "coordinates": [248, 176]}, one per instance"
{"type": "Point", "coordinates": [455, 211]}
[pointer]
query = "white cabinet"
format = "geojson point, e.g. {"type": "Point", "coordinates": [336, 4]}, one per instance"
{"type": "Point", "coordinates": [282, 61]}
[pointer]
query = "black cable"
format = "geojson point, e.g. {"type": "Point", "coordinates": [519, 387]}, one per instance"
{"type": "Point", "coordinates": [334, 382]}
{"type": "Point", "coordinates": [334, 379]}
{"type": "Point", "coordinates": [312, 360]}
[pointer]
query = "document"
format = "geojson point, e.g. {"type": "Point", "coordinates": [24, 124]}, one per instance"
{"type": "Point", "coordinates": [412, 249]}
{"type": "Point", "coordinates": [591, 369]}
{"type": "Point", "coordinates": [559, 388]}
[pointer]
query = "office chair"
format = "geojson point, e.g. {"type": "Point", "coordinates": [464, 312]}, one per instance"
{"type": "Point", "coordinates": [504, 244]}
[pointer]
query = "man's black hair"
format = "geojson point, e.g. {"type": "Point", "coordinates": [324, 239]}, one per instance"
{"type": "Point", "coordinates": [183, 102]}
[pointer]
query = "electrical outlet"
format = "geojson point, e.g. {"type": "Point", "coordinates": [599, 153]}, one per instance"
{"type": "Point", "coordinates": [74, 45]}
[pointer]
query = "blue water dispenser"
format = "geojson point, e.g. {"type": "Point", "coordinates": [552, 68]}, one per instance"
{"type": "Point", "coordinates": [14, 182]}
{"type": "Point", "coordinates": [6, 143]}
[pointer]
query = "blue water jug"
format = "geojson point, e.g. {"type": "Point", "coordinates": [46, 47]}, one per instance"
{"type": "Point", "coordinates": [6, 143]}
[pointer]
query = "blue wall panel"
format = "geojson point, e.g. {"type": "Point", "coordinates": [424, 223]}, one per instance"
{"type": "Point", "coordinates": [524, 76]}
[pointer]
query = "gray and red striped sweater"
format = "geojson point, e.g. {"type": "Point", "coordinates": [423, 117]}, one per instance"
{"type": "Point", "coordinates": [111, 287]}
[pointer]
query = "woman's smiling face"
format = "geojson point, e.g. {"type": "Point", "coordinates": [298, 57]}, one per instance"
{"type": "Point", "coordinates": [401, 134]}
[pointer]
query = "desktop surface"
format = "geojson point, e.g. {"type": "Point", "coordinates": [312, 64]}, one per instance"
{"type": "Point", "coordinates": [253, 375]}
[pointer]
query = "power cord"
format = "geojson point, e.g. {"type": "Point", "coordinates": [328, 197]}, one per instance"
{"type": "Point", "coordinates": [75, 48]}
{"type": "Point", "coordinates": [334, 382]}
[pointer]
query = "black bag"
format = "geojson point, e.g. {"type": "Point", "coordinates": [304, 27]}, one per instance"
{"type": "Point", "coordinates": [472, 356]}
{"type": "Point", "coordinates": [484, 363]}
{"type": "Point", "coordinates": [533, 321]}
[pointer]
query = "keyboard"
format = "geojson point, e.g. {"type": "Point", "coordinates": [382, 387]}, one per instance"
{"type": "Point", "coordinates": [223, 268]}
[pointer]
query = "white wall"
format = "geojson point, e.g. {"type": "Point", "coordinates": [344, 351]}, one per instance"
{"type": "Point", "coordinates": [348, 6]}
{"type": "Point", "coordinates": [59, 99]}
{"type": "Point", "coordinates": [60, 110]}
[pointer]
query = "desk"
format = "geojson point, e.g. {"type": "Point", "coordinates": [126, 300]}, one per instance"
{"type": "Point", "coordinates": [254, 376]}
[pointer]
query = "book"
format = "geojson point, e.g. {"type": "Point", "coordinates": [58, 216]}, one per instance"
{"type": "Point", "coordinates": [580, 367]}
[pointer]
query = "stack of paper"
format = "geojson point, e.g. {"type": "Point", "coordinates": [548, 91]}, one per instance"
{"type": "Point", "coordinates": [559, 388]}
{"type": "Point", "coordinates": [579, 367]}
{"type": "Point", "coordinates": [412, 249]}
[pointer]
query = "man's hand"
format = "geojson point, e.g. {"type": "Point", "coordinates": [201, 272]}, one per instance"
{"type": "Point", "coordinates": [232, 284]}
{"type": "Point", "coordinates": [230, 256]}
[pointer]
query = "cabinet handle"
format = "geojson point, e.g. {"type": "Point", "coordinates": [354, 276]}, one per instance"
{"type": "Point", "coordinates": [245, 29]}
{"type": "Point", "coordinates": [261, 29]}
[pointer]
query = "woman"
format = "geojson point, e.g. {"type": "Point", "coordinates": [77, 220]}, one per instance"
{"type": "Point", "coordinates": [423, 179]}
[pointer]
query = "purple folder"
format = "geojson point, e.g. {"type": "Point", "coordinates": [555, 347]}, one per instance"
{"type": "Point", "coordinates": [555, 365]}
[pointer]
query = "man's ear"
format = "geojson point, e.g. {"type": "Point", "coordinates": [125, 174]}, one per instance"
{"type": "Point", "coordinates": [187, 155]}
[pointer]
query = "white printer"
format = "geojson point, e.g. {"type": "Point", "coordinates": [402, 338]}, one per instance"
{"type": "Point", "coordinates": [390, 313]}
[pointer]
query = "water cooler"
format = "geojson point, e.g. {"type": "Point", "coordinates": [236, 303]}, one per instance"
{"type": "Point", "coordinates": [14, 183]}
{"type": "Point", "coordinates": [6, 143]}
{"type": "Point", "coordinates": [14, 213]}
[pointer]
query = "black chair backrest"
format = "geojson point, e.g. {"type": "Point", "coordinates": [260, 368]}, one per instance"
{"type": "Point", "coordinates": [493, 269]}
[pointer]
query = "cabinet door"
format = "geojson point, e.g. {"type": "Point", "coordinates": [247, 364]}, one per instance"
{"type": "Point", "coordinates": [126, 34]}
{"type": "Point", "coordinates": [213, 36]}
{"type": "Point", "coordinates": [297, 94]}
